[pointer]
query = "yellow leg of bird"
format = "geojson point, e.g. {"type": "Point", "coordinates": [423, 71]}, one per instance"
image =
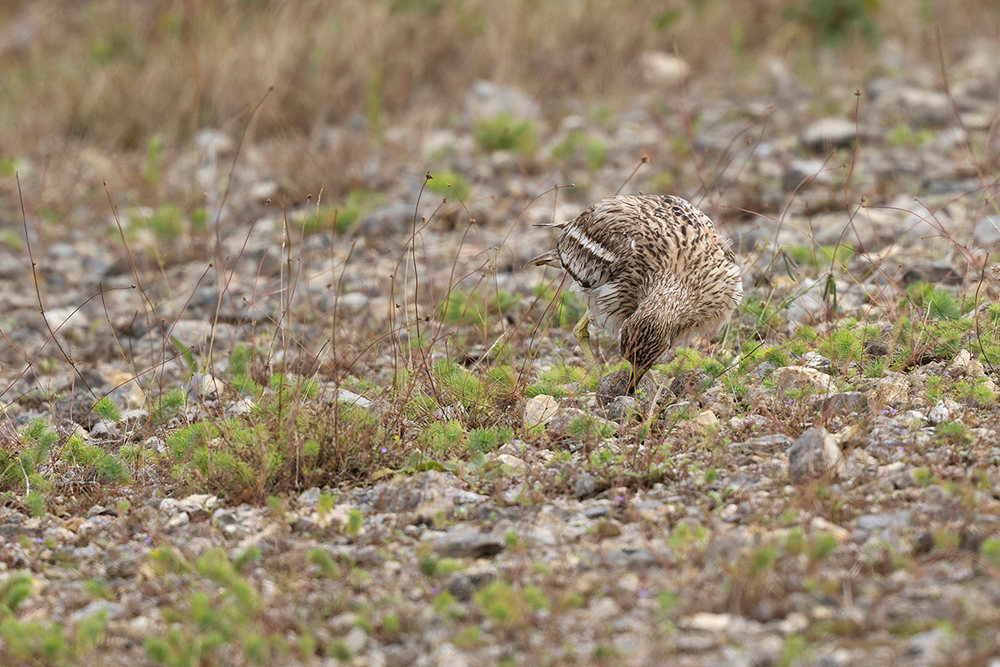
{"type": "Point", "coordinates": [582, 333]}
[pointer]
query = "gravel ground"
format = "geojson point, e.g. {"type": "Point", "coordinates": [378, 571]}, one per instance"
{"type": "Point", "coordinates": [810, 508]}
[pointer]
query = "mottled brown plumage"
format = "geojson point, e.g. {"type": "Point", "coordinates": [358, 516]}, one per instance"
{"type": "Point", "coordinates": [652, 271]}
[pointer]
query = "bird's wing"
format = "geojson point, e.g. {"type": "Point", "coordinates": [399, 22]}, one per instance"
{"type": "Point", "coordinates": [594, 247]}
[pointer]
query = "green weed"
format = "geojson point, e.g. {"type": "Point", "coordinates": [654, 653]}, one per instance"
{"type": "Point", "coordinates": [104, 466]}
{"type": "Point", "coordinates": [553, 381]}
{"type": "Point", "coordinates": [29, 641]}
{"type": "Point", "coordinates": [106, 409]}
{"type": "Point", "coordinates": [210, 625]}
{"type": "Point", "coordinates": [339, 218]}
{"type": "Point", "coordinates": [765, 315]}
{"type": "Point", "coordinates": [474, 308]}
{"type": "Point", "coordinates": [990, 551]}
{"type": "Point", "coordinates": [442, 437]}
{"type": "Point", "coordinates": [151, 170]}
{"type": "Point", "coordinates": [818, 256]}
{"type": "Point", "coordinates": [936, 302]}
{"type": "Point", "coordinates": [449, 184]}
{"type": "Point", "coordinates": [488, 439]}
{"type": "Point", "coordinates": [285, 443]}
{"type": "Point", "coordinates": [576, 145]}
{"type": "Point", "coordinates": [833, 22]}
{"type": "Point", "coordinates": [568, 309]}
{"type": "Point", "coordinates": [955, 433]}
{"type": "Point", "coordinates": [9, 166]}
{"type": "Point", "coordinates": [588, 428]}
{"type": "Point", "coordinates": [168, 404]}
{"type": "Point", "coordinates": [843, 344]}
{"type": "Point", "coordinates": [500, 602]}
{"type": "Point", "coordinates": [503, 132]}
{"type": "Point", "coordinates": [905, 136]}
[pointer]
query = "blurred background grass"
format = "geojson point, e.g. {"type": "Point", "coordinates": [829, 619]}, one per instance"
{"type": "Point", "coordinates": [113, 75]}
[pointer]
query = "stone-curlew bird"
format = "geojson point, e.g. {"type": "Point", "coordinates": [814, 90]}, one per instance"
{"type": "Point", "coordinates": [652, 270]}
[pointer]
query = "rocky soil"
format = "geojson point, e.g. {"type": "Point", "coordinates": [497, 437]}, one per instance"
{"type": "Point", "coordinates": [812, 507]}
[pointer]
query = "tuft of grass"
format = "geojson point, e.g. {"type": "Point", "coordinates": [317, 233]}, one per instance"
{"type": "Point", "coordinates": [152, 166]}
{"type": "Point", "coordinates": [285, 443]}
{"type": "Point", "coordinates": [30, 641]}
{"type": "Point", "coordinates": [216, 618]}
{"type": "Point", "coordinates": [504, 132]}
{"type": "Point", "coordinates": [833, 22]}
{"type": "Point", "coordinates": [874, 368]}
{"type": "Point", "coordinates": [340, 217]}
{"type": "Point", "coordinates": [818, 256]}
{"type": "Point", "coordinates": [442, 437]}
{"type": "Point", "coordinates": [843, 344]}
{"type": "Point", "coordinates": [21, 469]}
{"type": "Point", "coordinates": [955, 433]}
{"type": "Point", "coordinates": [36, 469]}
{"type": "Point", "coordinates": [904, 135]}
{"type": "Point", "coordinates": [990, 551]}
{"type": "Point", "coordinates": [14, 590]}
{"type": "Point", "coordinates": [459, 386]}
{"type": "Point", "coordinates": [487, 439]}
{"type": "Point", "coordinates": [576, 145]}
{"type": "Point", "coordinates": [449, 184]}
{"type": "Point", "coordinates": [167, 223]}
{"type": "Point", "coordinates": [104, 466]}
{"type": "Point", "coordinates": [9, 166]}
{"type": "Point", "coordinates": [765, 315]}
{"type": "Point", "coordinates": [106, 409]}
{"type": "Point", "coordinates": [821, 546]}
{"type": "Point", "coordinates": [553, 381]}
{"type": "Point", "coordinates": [168, 404]}
{"type": "Point", "coordinates": [568, 309]}
{"type": "Point", "coordinates": [587, 428]}
{"type": "Point", "coordinates": [474, 308]}
{"type": "Point", "coordinates": [936, 302]}
{"type": "Point", "coordinates": [926, 339]}
{"type": "Point", "coordinates": [502, 603]}
{"type": "Point", "coordinates": [12, 240]}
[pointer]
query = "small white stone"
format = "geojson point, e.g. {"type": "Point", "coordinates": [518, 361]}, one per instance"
{"type": "Point", "coordinates": [830, 132]}
{"type": "Point", "coordinates": [540, 410]}
{"type": "Point", "coordinates": [350, 398]}
{"type": "Point", "coordinates": [944, 410]}
{"type": "Point", "coordinates": [820, 525]}
{"type": "Point", "coordinates": [705, 419]}
{"type": "Point", "coordinates": [802, 378]}
{"type": "Point", "coordinates": [663, 69]}
{"type": "Point", "coordinates": [793, 624]}
{"type": "Point", "coordinates": [512, 462]}
{"type": "Point", "coordinates": [707, 622]}
{"type": "Point", "coordinates": [176, 521]}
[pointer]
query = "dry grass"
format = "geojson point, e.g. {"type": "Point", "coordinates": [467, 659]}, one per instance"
{"type": "Point", "coordinates": [114, 75]}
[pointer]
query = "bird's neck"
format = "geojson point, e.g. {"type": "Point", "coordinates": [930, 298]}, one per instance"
{"type": "Point", "coordinates": [668, 301]}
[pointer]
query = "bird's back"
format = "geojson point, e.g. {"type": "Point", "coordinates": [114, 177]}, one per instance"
{"type": "Point", "coordinates": [621, 248]}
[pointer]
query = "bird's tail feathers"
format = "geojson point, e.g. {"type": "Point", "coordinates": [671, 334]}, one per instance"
{"type": "Point", "coordinates": [561, 223]}
{"type": "Point", "coordinates": [549, 258]}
